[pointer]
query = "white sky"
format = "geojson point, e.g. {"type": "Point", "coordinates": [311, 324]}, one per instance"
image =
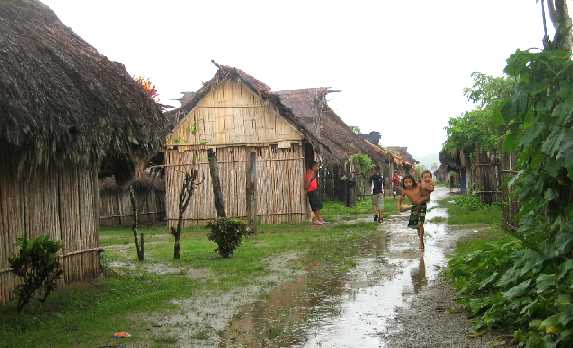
{"type": "Point", "coordinates": [401, 65]}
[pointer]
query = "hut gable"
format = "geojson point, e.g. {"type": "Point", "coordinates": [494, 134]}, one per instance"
{"type": "Point", "coordinates": [233, 113]}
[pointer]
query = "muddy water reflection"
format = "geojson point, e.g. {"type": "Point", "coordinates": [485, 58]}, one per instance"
{"type": "Point", "coordinates": [347, 310]}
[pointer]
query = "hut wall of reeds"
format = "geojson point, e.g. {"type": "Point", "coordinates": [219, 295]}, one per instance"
{"type": "Point", "coordinates": [116, 209]}
{"type": "Point", "coordinates": [60, 201]}
{"type": "Point", "coordinates": [235, 114]}
{"type": "Point", "coordinates": [63, 109]}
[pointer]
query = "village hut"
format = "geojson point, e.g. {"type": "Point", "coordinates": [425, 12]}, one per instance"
{"type": "Point", "coordinates": [338, 179]}
{"type": "Point", "coordinates": [63, 108]}
{"type": "Point", "coordinates": [235, 114]}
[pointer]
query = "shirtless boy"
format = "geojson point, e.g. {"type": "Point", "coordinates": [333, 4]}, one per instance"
{"type": "Point", "coordinates": [419, 197]}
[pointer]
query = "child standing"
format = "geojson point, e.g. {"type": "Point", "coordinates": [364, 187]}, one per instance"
{"type": "Point", "coordinates": [377, 182]}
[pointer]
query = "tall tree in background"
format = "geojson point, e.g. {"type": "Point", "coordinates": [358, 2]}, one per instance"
{"type": "Point", "coordinates": [559, 15]}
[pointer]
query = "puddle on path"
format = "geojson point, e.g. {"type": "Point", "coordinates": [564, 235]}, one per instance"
{"type": "Point", "coordinates": [348, 310]}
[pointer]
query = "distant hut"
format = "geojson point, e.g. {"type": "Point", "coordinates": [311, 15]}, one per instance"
{"type": "Point", "coordinates": [310, 106]}
{"type": "Point", "coordinates": [116, 209]}
{"type": "Point", "coordinates": [63, 107]}
{"type": "Point", "coordinates": [234, 113]}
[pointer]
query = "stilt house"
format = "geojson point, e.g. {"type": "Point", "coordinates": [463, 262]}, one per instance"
{"type": "Point", "coordinates": [63, 107]}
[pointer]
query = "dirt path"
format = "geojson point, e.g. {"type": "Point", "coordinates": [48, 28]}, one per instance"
{"type": "Point", "coordinates": [392, 298]}
{"type": "Point", "coordinates": [389, 300]}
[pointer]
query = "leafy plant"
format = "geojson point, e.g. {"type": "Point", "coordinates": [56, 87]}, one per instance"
{"type": "Point", "coordinates": [362, 163]}
{"type": "Point", "coordinates": [39, 266]}
{"type": "Point", "coordinates": [527, 285]}
{"type": "Point", "coordinates": [227, 234]}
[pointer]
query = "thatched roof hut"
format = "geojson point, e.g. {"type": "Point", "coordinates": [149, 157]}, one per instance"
{"type": "Point", "coordinates": [235, 114]}
{"type": "Point", "coordinates": [311, 109]}
{"type": "Point", "coordinates": [310, 106]}
{"type": "Point", "coordinates": [63, 108]}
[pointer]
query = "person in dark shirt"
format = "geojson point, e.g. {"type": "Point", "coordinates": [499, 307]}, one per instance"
{"type": "Point", "coordinates": [377, 182]}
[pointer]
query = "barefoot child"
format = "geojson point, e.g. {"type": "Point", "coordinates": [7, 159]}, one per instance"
{"type": "Point", "coordinates": [418, 208]}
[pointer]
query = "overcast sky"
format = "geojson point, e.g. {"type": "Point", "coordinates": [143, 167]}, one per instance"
{"type": "Point", "coordinates": [401, 65]}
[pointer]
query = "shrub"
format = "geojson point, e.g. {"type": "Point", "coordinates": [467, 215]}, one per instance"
{"type": "Point", "coordinates": [39, 267]}
{"type": "Point", "coordinates": [227, 234]}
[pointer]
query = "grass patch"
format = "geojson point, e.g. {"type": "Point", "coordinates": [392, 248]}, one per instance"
{"type": "Point", "coordinates": [88, 315]}
{"type": "Point", "coordinates": [466, 210]}
{"type": "Point", "coordinates": [337, 210]}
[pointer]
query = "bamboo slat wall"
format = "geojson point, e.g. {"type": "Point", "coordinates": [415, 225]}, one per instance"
{"type": "Point", "coordinates": [280, 192]}
{"type": "Point", "coordinates": [116, 210]}
{"type": "Point", "coordinates": [231, 114]}
{"type": "Point", "coordinates": [61, 202]}
{"type": "Point", "coordinates": [234, 120]}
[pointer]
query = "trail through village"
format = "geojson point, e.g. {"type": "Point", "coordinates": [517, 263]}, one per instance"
{"type": "Point", "coordinates": [365, 307]}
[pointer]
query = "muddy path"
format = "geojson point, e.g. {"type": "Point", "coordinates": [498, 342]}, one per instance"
{"type": "Point", "coordinates": [357, 309]}
{"type": "Point", "coordinates": [365, 307]}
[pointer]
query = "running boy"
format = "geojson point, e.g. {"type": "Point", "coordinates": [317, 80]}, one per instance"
{"type": "Point", "coordinates": [418, 208]}
{"type": "Point", "coordinates": [377, 182]}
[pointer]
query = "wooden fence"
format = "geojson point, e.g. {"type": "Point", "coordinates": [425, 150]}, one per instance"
{"type": "Point", "coordinates": [116, 208]}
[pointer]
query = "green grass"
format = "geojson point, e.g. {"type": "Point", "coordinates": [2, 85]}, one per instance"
{"type": "Point", "coordinates": [336, 210]}
{"type": "Point", "coordinates": [88, 315]}
{"type": "Point", "coordinates": [464, 210]}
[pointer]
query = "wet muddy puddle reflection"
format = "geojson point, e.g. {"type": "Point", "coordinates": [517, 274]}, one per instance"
{"type": "Point", "coordinates": [354, 309]}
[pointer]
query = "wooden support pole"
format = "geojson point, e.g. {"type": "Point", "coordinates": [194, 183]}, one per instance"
{"type": "Point", "coordinates": [251, 190]}
{"type": "Point", "coordinates": [217, 191]}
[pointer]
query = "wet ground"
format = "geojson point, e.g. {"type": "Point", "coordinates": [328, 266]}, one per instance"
{"type": "Point", "coordinates": [357, 309]}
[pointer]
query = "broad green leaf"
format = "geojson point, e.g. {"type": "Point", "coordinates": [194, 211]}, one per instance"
{"type": "Point", "coordinates": [564, 268]}
{"type": "Point", "coordinates": [517, 290]}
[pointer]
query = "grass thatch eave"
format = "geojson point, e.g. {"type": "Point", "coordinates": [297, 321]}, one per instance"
{"type": "Point", "coordinates": [311, 108]}
{"type": "Point", "coordinates": [61, 99]}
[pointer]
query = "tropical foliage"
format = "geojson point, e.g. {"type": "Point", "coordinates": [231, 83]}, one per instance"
{"type": "Point", "coordinates": [527, 284]}
{"type": "Point", "coordinates": [38, 265]}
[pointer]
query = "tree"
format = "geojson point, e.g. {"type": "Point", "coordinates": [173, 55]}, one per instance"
{"type": "Point", "coordinates": [559, 15]}
{"type": "Point", "coordinates": [148, 87]}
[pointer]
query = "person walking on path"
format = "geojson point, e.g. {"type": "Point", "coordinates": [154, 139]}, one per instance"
{"type": "Point", "coordinates": [377, 182]}
{"type": "Point", "coordinates": [311, 187]}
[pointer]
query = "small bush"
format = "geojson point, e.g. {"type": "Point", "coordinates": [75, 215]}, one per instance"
{"type": "Point", "coordinates": [227, 234]}
{"type": "Point", "coordinates": [38, 264]}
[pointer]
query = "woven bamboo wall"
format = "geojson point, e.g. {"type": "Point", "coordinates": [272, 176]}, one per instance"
{"type": "Point", "coordinates": [115, 207]}
{"type": "Point", "coordinates": [231, 114]}
{"type": "Point", "coordinates": [234, 120]}
{"type": "Point", "coordinates": [280, 192]}
{"type": "Point", "coordinates": [59, 202]}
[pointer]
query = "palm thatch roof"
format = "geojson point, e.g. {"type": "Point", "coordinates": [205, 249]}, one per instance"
{"type": "Point", "coordinates": [61, 99]}
{"type": "Point", "coordinates": [225, 73]}
{"type": "Point", "coordinates": [311, 108]}
{"type": "Point", "coordinates": [403, 154]}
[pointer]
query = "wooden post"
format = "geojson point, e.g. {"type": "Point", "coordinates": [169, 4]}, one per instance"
{"type": "Point", "coordinates": [251, 190]}
{"type": "Point", "coordinates": [138, 246]}
{"type": "Point", "coordinates": [217, 192]}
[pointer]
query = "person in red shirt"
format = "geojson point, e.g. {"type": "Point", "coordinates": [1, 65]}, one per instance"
{"type": "Point", "coordinates": [311, 187]}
